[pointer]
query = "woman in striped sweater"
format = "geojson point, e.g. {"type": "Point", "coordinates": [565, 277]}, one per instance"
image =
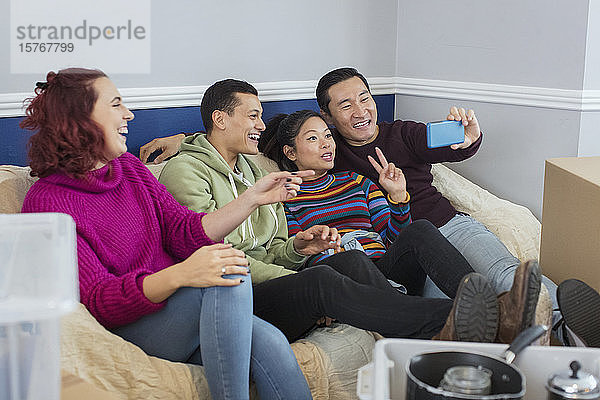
{"type": "Point", "coordinates": [404, 251]}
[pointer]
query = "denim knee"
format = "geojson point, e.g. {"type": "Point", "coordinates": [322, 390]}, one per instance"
{"type": "Point", "coordinates": [187, 295]}
{"type": "Point", "coordinates": [236, 294]}
{"type": "Point", "coordinates": [267, 336]}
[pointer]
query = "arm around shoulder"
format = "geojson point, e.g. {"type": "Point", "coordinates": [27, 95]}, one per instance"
{"type": "Point", "coordinates": [169, 146]}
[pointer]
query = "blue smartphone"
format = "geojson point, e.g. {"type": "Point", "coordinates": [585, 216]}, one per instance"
{"type": "Point", "coordinates": [444, 133]}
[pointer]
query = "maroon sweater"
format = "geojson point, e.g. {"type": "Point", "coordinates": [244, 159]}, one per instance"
{"type": "Point", "coordinates": [405, 144]}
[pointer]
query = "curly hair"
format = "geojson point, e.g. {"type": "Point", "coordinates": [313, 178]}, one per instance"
{"type": "Point", "coordinates": [65, 139]}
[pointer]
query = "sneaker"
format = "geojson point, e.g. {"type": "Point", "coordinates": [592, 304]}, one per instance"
{"type": "Point", "coordinates": [474, 314]}
{"type": "Point", "coordinates": [580, 307]}
{"type": "Point", "coordinates": [517, 306]}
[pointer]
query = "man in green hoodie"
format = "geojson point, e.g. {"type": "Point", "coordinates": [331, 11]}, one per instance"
{"type": "Point", "coordinates": [212, 169]}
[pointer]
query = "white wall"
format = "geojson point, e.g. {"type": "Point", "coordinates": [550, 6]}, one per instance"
{"type": "Point", "coordinates": [592, 58]}
{"type": "Point", "coordinates": [540, 44]}
{"type": "Point", "coordinates": [530, 43]}
{"type": "Point", "coordinates": [198, 42]}
{"type": "Point", "coordinates": [589, 138]}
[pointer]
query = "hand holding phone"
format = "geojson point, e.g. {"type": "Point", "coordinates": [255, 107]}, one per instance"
{"type": "Point", "coordinates": [444, 133]}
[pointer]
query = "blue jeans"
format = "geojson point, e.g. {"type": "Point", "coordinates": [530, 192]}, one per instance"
{"type": "Point", "coordinates": [215, 327]}
{"type": "Point", "coordinates": [486, 254]}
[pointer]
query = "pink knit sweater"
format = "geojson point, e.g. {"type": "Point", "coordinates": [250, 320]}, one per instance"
{"type": "Point", "coordinates": [128, 226]}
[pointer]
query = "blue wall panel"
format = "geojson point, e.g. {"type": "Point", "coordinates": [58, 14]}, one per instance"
{"type": "Point", "coordinates": [152, 123]}
{"type": "Point", "coordinates": [13, 142]}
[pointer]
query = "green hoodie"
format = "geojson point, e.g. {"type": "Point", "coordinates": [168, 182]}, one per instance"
{"type": "Point", "coordinates": [201, 180]}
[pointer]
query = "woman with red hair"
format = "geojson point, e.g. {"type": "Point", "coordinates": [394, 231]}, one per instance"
{"type": "Point", "coordinates": [150, 270]}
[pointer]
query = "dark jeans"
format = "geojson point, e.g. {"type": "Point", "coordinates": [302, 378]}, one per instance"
{"type": "Point", "coordinates": [352, 290]}
{"type": "Point", "coordinates": [421, 250]}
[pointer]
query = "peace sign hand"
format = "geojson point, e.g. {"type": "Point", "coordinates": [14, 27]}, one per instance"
{"type": "Point", "coordinates": [391, 178]}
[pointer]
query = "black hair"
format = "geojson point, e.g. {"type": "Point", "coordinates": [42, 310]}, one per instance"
{"type": "Point", "coordinates": [330, 79]}
{"type": "Point", "coordinates": [282, 130]}
{"type": "Point", "coordinates": [222, 96]}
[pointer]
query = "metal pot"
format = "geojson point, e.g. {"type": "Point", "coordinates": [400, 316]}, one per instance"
{"type": "Point", "coordinates": [573, 384]}
{"type": "Point", "coordinates": [425, 372]}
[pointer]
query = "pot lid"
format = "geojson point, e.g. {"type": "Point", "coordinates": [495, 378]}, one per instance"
{"type": "Point", "coordinates": [575, 383]}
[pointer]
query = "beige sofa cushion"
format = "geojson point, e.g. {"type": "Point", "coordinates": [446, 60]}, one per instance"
{"type": "Point", "coordinates": [91, 352]}
{"type": "Point", "coordinates": [513, 224]}
{"type": "Point", "coordinates": [14, 184]}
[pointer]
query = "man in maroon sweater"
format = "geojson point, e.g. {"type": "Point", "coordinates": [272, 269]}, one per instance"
{"type": "Point", "coordinates": [345, 101]}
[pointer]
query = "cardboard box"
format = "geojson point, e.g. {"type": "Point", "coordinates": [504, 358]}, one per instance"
{"type": "Point", "coordinates": [570, 246]}
{"type": "Point", "coordinates": [75, 388]}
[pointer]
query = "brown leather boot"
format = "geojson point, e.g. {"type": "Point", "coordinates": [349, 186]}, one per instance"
{"type": "Point", "coordinates": [517, 306]}
{"type": "Point", "coordinates": [474, 314]}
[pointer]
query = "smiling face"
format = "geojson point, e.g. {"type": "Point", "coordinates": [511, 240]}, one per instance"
{"type": "Point", "coordinates": [244, 126]}
{"type": "Point", "coordinates": [314, 147]}
{"type": "Point", "coordinates": [353, 111]}
{"type": "Point", "coordinates": [111, 116]}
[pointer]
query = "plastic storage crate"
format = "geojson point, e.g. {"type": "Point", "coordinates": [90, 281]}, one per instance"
{"type": "Point", "coordinates": [38, 285]}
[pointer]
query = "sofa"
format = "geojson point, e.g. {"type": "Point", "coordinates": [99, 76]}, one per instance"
{"type": "Point", "coordinates": [329, 356]}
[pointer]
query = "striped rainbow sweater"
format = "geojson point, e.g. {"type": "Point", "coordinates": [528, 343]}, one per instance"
{"type": "Point", "coordinates": [347, 201]}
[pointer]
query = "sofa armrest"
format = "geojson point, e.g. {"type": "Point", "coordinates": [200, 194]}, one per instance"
{"type": "Point", "coordinates": [14, 184]}
{"type": "Point", "coordinates": [513, 224]}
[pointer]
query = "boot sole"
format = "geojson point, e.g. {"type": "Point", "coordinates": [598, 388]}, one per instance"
{"type": "Point", "coordinates": [476, 312]}
{"type": "Point", "coordinates": [532, 294]}
{"type": "Point", "coordinates": [580, 307]}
